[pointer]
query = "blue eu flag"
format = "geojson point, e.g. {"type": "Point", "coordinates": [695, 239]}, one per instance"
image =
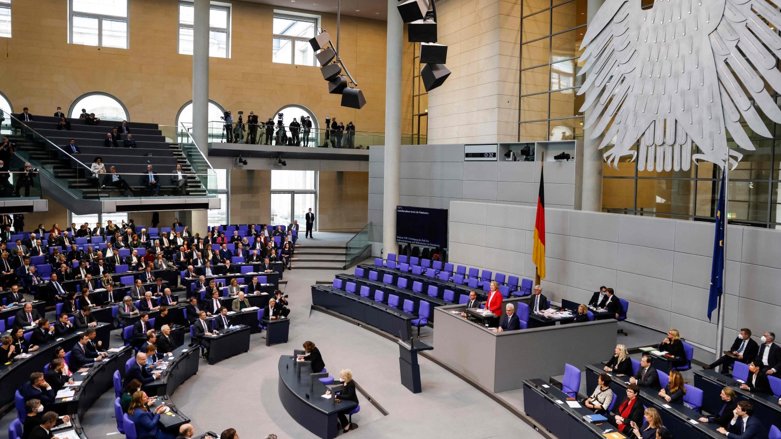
{"type": "Point", "coordinates": [717, 269]}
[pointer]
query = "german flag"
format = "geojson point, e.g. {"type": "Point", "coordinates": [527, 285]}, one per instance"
{"type": "Point", "coordinates": [538, 252]}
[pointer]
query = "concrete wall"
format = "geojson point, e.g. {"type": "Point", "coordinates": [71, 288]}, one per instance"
{"type": "Point", "coordinates": [479, 102]}
{"type": "Point", "coordinates": [435, 175]}
{"type": "Point", "coordinates": [661, 266]}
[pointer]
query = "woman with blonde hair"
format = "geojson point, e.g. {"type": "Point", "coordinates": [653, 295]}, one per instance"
{"type": "Point", "coordinates": [347, 394]}
{"type": "Point", "coordinates": [673, 345]}
{"type": "Point", "coordinates": [619, 363]}
{"type": "Point", "coordinates": [654, 422]}
{"type": "Point", "coordinates": [675, 389]}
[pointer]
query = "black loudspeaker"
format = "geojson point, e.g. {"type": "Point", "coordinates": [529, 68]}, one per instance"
{"type": "Point", "coordinates": [353, 98]}
{"type": "Point", "coordinates": [337, 85]}
{"type": "Point", "coordinates": [326, 56]}
{"type": "Point", "coordinates": [320, 42]}
{"type": "Point", "coordinates": [422, 31]}
{"type": "Point", "coordinates": [433, 53]}
{"type": "Point", "coordinates": [434, 75]}
{"type": "Point", "coordinates": [331, 71]}
{"type": "Point", "coordinates": [412, 10]}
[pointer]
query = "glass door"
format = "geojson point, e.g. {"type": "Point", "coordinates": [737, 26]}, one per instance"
{"type": "Point", "coordinates": [301, 205]}
{"type": "Point", "coordinates": [281, 208]}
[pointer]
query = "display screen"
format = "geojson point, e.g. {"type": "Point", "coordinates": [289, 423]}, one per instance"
{"type": "Point", "coordinates": [421, 226]}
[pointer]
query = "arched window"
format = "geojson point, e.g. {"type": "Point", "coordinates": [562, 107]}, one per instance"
{"type": "Point", "coordinates": [105, 107]}
{"type": "Point", "coordinates": [185, 117]}
{"type": "Point", "coordinates": [297, 111]}
{"type": "Point", "coordinates": [5, 110]}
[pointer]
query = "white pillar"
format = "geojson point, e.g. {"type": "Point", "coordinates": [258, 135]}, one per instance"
{"type": "Point", "coordinates": [591, 187]}
{"type": "Point", "coordinates": [392, 127]}
{"type": "Point", "coordinates": [201, 75]}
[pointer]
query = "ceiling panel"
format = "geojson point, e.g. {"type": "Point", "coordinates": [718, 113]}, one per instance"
{"type": "Point", "coordinates": [372, 9]}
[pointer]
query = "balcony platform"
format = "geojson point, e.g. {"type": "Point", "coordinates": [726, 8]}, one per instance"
{"type": "Point", "coordinates": [286, 152]}
{"type": "Point", "coordinates": [23, 205]}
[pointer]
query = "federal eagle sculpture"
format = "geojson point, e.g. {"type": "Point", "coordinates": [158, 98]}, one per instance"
{"type": "Point", "coordinates": [675, 79]}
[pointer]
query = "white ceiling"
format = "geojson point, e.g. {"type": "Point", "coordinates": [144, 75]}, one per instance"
{"type": "Point", "coordinates": [372, 9]}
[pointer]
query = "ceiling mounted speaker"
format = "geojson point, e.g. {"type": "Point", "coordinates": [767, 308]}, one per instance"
{"type": "Point", "coordinates": [412, 10]}
{"type": "Point", "coordinates": [433, 53]}
{"type": "Point", "coordinates": [353, 98]}
{"type": "Point", "coordinates": [326, 56]}
{"type": "Point", "coordinates": [337, 85]}
{"type": "Point", "coordinates": [422, 31]}
{"type": "Point", "coordinates": [320, 42]}
{"type": "Point", "coordinates": [331, 71]}
{"type": "Point", "coordinates": [434, 75]}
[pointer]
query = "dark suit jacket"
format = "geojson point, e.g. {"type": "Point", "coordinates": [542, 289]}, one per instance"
{"type": "Point", "coordinates": [41, 337]}
{"type": "Point", "coordinates": [143, 306]}
{"type": "Point", "coordinates": [79, 357]}
{"type": "Point", "coordinates": [219, 325]}
{"type": "Point", "coordinates": [543, 303]}
{"type": "Point", "coordinates": [29, 392]}
{"type": "Point", "coordinates": [21, 317]}
{"type": "Point", "coordinates": [613, 306]}
{"type": "Point", "coordinates": [724, 416]}
{"type": "Point", "coordinates": [510, 324]}
{"type": "Point", "coordinates": [774, 358]}
{"type": "Point", "coordinates": [164, 344]}
{"type": "Point", "coordinates": [762, 384]}
{"type": "Point", "coordinates": [474, 304]}
{"type": "Point", "coordinates": [56, 380]}
{"type": "Point", "coordinates": [749, 352]}
{"type": "Point", "coordinates": [594, 301]}
{"type": "Point", "coordinates": [754, 429]}
{"type": "Point", "coordinates": [61, 330]}
{"type": "Point", "coordinates": [139, 373]}
{"type": "Point", "coordinates": [83, 321]}
{"type": "Point", "coordinates": [39, 433]}
{"type": "Point", "coordinates": [267, 310]}
{"type": "Point", "coordinates": [138, 329]}
{"type": "Point", "coordinates": [200, 331]}
{"type": "Point", "coordinates": [648, 379]}
{"type": "Point", "coordinates": [317, 360]}
{"type": "Point", "coordinates": [192, 313]}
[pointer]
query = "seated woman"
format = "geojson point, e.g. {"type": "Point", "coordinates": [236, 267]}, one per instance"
{"type": "Point", "coordinates": [675, 389]}
{"type": "Point", "coordinates": [131, 387]}
{"type": "Point", "coordinates": [347, 394]}
{"type": "Point", "coordinates": [630, 410]}
{"type": "Point", "coordinates": [582, 314]}
{"type": "Point", "coordinates": [653, 421]}
{"type": "Point", "coordinates": [57, 376]}
{"type": "Point", "coordinates": [234, 289]}
{"type": "Point", "coordinates": [7, 349]}
{"type": "Point", "coordinates": [619, 363]}
{"type": "Point", "coordinates": [724, 416]}
{"type": "Point", "coordinates": [22, 346]}
{"type": "Point", "coordinates": [287, 254]}
{"type": "Point", "coordinates": [600, 399]}
{"type": "Point", "coordinates": [313, 355]}
{"type": "Point", "coordinates": [147, 423]}
{"type": "Point", "coordinates": [673, 345]}
{"type": "Point", "coordinates": [59, 352]}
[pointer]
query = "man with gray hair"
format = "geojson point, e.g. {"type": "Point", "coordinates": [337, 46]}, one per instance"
{"type": "Point", "coordinates": [510, 321]}
{"type": "Point", "coordinates": [539, 301]}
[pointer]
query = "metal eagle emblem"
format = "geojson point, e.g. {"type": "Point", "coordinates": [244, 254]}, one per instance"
{"type": "Point", "coordinates": [677, 78]}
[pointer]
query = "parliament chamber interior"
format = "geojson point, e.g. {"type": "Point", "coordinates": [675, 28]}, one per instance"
{"type": "Point", "coordinates": [400, 218]}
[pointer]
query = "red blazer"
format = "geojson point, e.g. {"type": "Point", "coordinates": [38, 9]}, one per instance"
{"type": "Point", "coordinates": [494, 303]}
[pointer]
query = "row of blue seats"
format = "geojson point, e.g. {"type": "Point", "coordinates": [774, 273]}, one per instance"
{"type": "Point", "coordinates": [392, 300]}
{"type": "Point", "coordinates": [153, 231]}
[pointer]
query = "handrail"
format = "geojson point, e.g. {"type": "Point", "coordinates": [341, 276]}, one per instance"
{"type": "Point", "coordinates": [50, 142]}
{"type": "Point", "coordinates": [350, 255]}
{"type": "Point", "coordinates": [196, 145]}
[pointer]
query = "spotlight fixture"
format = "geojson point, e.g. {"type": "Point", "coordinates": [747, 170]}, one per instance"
{"type": "Point", "coordinates": [280, 161]}
{"type": "Point", "coordinates": [421, 19]}
{"type": "Point", "coordinates": [563, 156]}
{"type": "Point", "coordinates": [332, 67]}
{"type": "Point", "coordinates": [240, 162]}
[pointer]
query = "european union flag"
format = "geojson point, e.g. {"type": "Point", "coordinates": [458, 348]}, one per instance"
{"type": "Point", "coordinates": [717, 269]}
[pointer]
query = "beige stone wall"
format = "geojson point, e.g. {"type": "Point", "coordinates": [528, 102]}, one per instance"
{"type": "Point", "coordinates": [250, 196]}
{"type": "Point", "coordinates": [343, 201]}
{"type": "Point", "coordinates": [40, 70]}
{"type": "Point", "coordinates": [479, 102]}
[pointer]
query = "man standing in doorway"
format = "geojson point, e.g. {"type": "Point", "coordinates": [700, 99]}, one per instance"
{"type": "Point", "coordinates": [310, 222]}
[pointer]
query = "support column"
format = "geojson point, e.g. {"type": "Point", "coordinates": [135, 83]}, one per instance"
{"type": "Point", "coordinates": [591, 187]}
{"type": "Point", "coordinates": [200, 131]}
{"type": "Point", "coordinates": [392, 156]}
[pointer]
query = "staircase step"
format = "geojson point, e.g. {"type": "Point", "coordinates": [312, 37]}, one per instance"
{"type": "Point", "coordinates": [307, 258]}
{"type": "Point", "coordinates": [318, 266]}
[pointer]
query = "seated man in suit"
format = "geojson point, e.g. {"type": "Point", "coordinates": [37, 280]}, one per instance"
{"type": "Point", "coordinates": [27, 316]}
{"type": "Point", "coordinates": [599, 298]}
{"type": "Point", "coordinates": [63, 326]}
{"type": "Point", "coordinates": [43, 333]}
{"type": "Point", "coordinates": [85, 319]}
{"type": "Point", "coordinates": [192, 310]}
{"type": "Point", "coordinates": [38, 388]}
{"type": "Point", "coordinates": [743, 349]}
{"type": "Point", "coordinates": [613, 304]}
{"type": "Point", "coordinates": [80, 356]}
{"type": "Point", "coordinates": [472, 302]}
{"type": "Point", "coordinates": [770, 354]}
{"type": "Point", "coordinates": [539, 302]}
{"type": "Point", "coordinates": [743, 425]}
{"type": "Point", "coordinates": [138, 371]}
{"type": "Point", "coordinates": [168, 299]}
{"type": "Point", "coordinates": [201, 328]}
{"type": "Point", "coordinates": [221, 322]}
{"type": "Point", "coordinates": [148, 304]}
{"type": "Point", "coordinates": [510, 320]}
{"type": "Point", "coordinates": [138, 290]}
{"type": "Point", "coordinates": [212, 304]}
{"type": "Point", "coordinates": [94, 346]}
{"type": "Point", "coordinates": [255, 286]}
{"type": "Point", "coordinates": [44, 429]}
{"type": "Point", "coordinates": [240, 302]}
{"type": "Point", "coordinates": [140, 329]}
{"type": "Point", "coordinates": [126, 311]}
{"type": "Point", "coordinates": [165, 343]}
{"type": "Point", "coordinates": [646, 376]}
{"type": "Point", "coordinates": [15, 295]}
{"type": "Point", "coordinates": [271, 311]}
{"type": "Point", "coordinates": [757, 381]}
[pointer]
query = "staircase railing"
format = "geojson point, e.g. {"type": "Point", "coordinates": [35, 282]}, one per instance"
{"type": "Point", "coordinates": [358, 247]}
{"type": "Point", "coordinates": [206, 173]}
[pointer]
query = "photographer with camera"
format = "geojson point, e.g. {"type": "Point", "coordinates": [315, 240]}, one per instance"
{"type": "Point", "coordinates": [228, 126]}
{"type": "Point", "coordinates": [281, 306]}
{"type": "Point", "coordinates": [269, 131]}
{"type": "Point", "coordinates": [306, 123]}
{"type": "Point", "coordinates": [295, 128]}
{"type": "Point", "coordinates": [25, 179]}
{"type": "Point", "coordinates": [281, 132]}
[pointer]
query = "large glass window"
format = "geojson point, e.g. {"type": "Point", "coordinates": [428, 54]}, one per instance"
{"type": "Point", "coordinates": [219, 29]}
{"type": "Point", "coordinates": [94, 218]}
{"type": "Point", "coordinates": [292, 33]}
{"type": "Point", "coordinates": [184, 121]}
{"type": "Point", "coordinates": [105, 107]}
{"type": "Point", "coordinates": [292, 194]}
{"type": "Point", "coordinates": [5, 111]}
{"type": "Point", "coordinates": [5, 18]}
{"type": "Point", "coordinates": [296, 112]}
{"type": "Point", "coordinates": [102, 23]}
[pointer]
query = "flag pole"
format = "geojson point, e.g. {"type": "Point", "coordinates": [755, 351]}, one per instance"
{"type": "Point", "coordinates": [720, 315]}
